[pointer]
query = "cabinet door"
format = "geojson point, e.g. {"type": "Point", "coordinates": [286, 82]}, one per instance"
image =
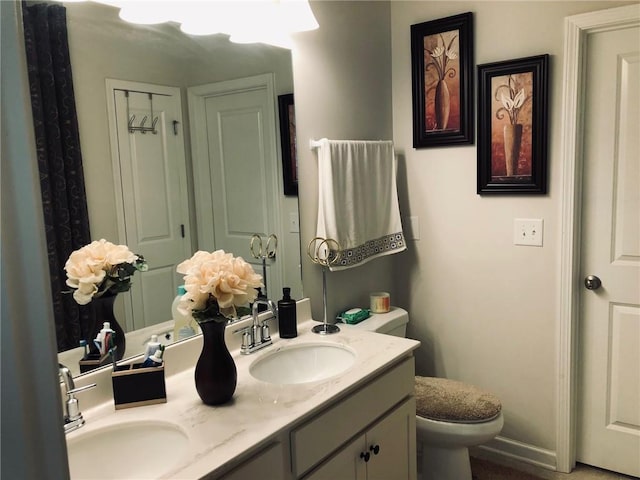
{"type": "Point", "coordinates": [390, 443]}
{"type": "Point", "coordinates": [394, 440]}
{"type": "Point", "coordinates": [321, 436]}
{"type": "Point", "coordinates": [345, 465]}
{"type": "Point", "coordinates": [267, 464]}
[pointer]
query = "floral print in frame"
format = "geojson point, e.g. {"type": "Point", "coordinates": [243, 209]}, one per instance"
{"type": "Point", "coordinates": [442, 59]}
{"type": "Point", "coordinates": [512, 126]}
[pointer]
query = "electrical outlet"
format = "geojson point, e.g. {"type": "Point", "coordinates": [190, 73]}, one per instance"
{"type": "Point", "coordinates": [527, 231]}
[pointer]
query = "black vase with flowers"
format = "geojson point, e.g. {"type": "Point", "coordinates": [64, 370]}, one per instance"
{"type": "Point", "coordinates": [217, 285]}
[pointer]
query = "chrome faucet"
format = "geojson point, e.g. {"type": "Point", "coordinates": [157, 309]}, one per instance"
{"type": "Point", "coordinates": [257, 336]}
{"type": "Point", "coordinates": [72, 416]}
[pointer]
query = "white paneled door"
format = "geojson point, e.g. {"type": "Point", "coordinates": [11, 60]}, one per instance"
{"type": "Point", "coordinates": [151, 180]}
{"type": "Point", "coordinates": [236, 169]}
{"type": "Point", "coordinates": [609, 324]}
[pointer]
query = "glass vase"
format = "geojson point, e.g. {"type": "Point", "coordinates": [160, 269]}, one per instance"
{"type": "Point", "coordinates": [216, 375]}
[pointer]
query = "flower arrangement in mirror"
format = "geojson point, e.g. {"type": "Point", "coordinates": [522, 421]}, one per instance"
{"type": "Point", "coordinates": [218, 285]}
{"type": "Point", "coordinates": [100, 269]}
{"type": "Point", "coordinates": [97, 272]}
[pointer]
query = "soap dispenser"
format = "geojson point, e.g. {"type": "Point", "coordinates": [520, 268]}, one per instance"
{"type": "Point", "coordinates": [287, 315]}
{"type": "Point", "coordinates": [182, 322]}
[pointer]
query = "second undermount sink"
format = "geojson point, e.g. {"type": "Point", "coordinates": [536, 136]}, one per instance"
{"type": "Point", "coordinates": [132, 450]}
{"type": "Point", "coordinates": [308, 362]}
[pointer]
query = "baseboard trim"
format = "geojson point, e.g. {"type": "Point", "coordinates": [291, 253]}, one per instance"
{"type": "Point", "coordinates": [502, 449]}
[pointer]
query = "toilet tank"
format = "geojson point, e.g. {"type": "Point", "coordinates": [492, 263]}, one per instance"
{"type": "Point", "coordinates": [393, 322]}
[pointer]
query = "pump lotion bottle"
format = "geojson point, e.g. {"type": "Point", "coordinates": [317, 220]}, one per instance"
{"type": "Point", "coordinates": [287, 315]}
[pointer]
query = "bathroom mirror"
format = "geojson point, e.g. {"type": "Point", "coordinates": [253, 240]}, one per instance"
{"type": "Point", "coordinates": [103, 46]}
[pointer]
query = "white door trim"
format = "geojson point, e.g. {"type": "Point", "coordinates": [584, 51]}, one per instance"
{"type": "Point", "coordinates": [577, 29]}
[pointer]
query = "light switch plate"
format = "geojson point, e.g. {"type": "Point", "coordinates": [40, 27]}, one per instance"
{"type": "Point", "coordinates": [294, 225]}
{"type": "Point", "coordinates": [528, 231]}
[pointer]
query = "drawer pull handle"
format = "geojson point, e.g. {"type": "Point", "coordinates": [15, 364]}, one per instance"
{"type": "Point", "coordinates": [375, 449]}
{"type": "Point", "coordinates": [366, 456]}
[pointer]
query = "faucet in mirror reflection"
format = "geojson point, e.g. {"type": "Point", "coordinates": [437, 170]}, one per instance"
{"type": "Point", "coordinates": [324, 252]}
{"type": "Point", "coordinates": [261, 251]}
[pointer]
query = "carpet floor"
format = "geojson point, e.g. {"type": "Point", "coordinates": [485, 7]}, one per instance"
{"type": "Point", "coordinates": [484, 470]}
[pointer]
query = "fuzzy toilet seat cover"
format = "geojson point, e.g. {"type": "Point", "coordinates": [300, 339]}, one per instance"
{"type": "Point", "coordinates": [453, 401]}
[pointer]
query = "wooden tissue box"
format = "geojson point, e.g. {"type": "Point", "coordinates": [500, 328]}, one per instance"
{"type": "Point", "coordinates": [135, 386]}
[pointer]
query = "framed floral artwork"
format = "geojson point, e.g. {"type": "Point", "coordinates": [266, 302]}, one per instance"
{"type": "Point", "coordinates": [442, 77]}
{"type": "Point", "coordinates": [288, 143]}
{"type": "Point", "coordinates": [512, 126]}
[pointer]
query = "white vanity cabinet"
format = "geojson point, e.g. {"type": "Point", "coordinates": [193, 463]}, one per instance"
{"type": "Point", "coordinates": [335, 443]}
{"type": "Point", "coordinates": [308, 431]}
{"type": "Point", "coordinates": [368, 435]}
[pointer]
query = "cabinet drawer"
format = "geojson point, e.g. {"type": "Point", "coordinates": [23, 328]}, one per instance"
{"type": "Point", "coordinates": [316, 439]}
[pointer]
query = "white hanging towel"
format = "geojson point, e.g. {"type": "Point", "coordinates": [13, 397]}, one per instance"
{"type": "Point", "coordinates": [358, 200]}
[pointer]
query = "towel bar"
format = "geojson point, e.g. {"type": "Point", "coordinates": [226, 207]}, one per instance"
{"type": "Point", "coordinates": [313, 144]}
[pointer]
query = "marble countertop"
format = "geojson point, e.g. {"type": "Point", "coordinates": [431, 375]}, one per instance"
{"type": "Point", "coordinates": [258, 411]}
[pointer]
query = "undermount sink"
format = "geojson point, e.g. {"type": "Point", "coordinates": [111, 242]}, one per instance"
{"type": "Point", "coordinates": [309, 362]}
{"type": "Point", "coordinates": [133, 450]}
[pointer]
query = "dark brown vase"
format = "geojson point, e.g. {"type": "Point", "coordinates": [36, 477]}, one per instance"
{"type": "Point", "coordinates": [103, 310]}
{"type": "Point", "coordinates": [216, 375]}
{"type": "Point", "coordinates": [512, 141]}
{"type": "Point", "coordinates": [442, 105]}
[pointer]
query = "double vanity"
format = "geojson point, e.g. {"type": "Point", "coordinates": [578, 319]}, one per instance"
{"type": "Point", "coordinates": [313, 407]}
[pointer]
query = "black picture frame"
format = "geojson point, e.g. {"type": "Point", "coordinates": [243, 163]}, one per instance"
{"type": "Point", "coordinates": [513, 115]}
{"type": "Point", "coordinates": [442, 81]}
{"type": "Point", "coordinates": [286, 110]}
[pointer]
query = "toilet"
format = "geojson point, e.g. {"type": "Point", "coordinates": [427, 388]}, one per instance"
{"type": "Point", "coordinates": [451, 416]}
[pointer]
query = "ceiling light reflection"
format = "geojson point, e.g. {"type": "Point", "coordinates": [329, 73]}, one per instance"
{"type": "Point", "coordinates": [246, 21]}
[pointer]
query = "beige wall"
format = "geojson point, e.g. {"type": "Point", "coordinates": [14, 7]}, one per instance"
{"type": "Point", "coordinates": [342, 84]}
{"type": "Point", "coordinates": [484, 309]}
{"type": "Point", "coordinates": [33, 443]}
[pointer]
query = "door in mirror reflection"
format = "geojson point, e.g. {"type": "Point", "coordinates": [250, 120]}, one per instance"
{"type": "Point", "coordinates": [237, 172]}
{"type": "Point", "coordinates": [151, 190]}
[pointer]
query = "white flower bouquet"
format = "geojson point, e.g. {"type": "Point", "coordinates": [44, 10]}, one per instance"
{"type": "Point", "coordinates": [440, 57]}
{"type": "Point", "coordinates": [101, 268]}
{"type": "Point", "coordinates": [216, 283]}
{"type": "Point", "coordinates": [513, 102]}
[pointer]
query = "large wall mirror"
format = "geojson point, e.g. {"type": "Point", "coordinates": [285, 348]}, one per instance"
{"type": "Point", "coordinates": [103, 47]}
